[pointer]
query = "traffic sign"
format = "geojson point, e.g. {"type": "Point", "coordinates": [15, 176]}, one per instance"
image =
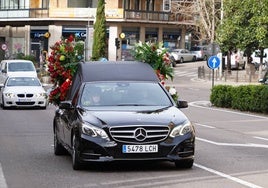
{"type": "Point", "coordinates": [214, 62]}
{"type": "Point", "coordinates": [4, 47]}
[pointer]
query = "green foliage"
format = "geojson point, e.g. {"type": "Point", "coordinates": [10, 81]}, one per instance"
{"type": "Point", "coordinates": [252, 98]}
{"type": "Point", "coordinates": [99, 39]}
{"type": "Point", "coordinates": [26, 57]}
{"type": "Point", "coordinates": [221, 96]}
{"type": "Point", "coordinates": [155, 55]}
{"type": "Point", "coordinates": [244, 26]}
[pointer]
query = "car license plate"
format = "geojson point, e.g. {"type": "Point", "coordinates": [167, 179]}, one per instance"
{"type": "Point", "coordinates": [24, 100]}
{"type": "Point", "coordinates": [140, 148]}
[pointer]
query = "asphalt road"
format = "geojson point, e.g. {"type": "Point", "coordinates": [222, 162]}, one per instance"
{"type": "Point", "coordinates": [231, 149]}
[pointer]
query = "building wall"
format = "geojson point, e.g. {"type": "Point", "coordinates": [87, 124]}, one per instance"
{"type": "Point", "coordinates": [65, 21]}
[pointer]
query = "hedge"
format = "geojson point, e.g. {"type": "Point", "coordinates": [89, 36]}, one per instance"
{"type": "Point", "coordinates": [252, 98]}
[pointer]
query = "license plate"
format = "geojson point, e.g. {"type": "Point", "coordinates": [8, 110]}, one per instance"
{"type": "Point", "coordinates": [24, 100]}
{"type": "Point", "coordinates": [140, 148]}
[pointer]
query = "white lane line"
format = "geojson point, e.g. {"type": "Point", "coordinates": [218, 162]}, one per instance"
{"type": "Point", "coordinates": [233, 144]}
{"type": "Point", "coordinates": [3, 183]}
{"type": "Point", "coordinates": [261, 138]}
{"type": "Point", "coordinates": [245, 183]}
{"type": "Point", "coordinates": [207, 126]}
{"type": "Point", "coordinates": [197, 104]}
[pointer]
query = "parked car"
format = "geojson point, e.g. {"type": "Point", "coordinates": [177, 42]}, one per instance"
{"type": "Point", "coordinates": [134, 119]}
{"type": "Point", "coordinates": [237, 60]}
{"type": "Point", "coordinates": [201, 52]}
{"type": "Point", "coordinates": [23, 92]}
{"type": "Point", "coordinates": [264, 80]}
{"type": "Point", "coordinates": [16, 67]}
{"type": "Point", "coordinates": [182, 55]}
{"type": "Point", "coordinates": [256, 58]}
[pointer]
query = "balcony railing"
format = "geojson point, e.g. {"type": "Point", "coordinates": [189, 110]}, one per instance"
{"type": "Point", "coordinates": [147, 15]}
{"type": "Point", "coordinates": [24, 13]}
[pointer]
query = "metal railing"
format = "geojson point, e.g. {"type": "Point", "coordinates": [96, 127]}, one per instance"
{"type": "Point", "coordinates": [24, 13]}
{"type": "Point", "coordinates": [147, 15]}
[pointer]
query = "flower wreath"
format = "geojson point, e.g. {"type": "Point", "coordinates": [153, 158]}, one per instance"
{"type": "Point", "coordinates": [62, 65]}
{"type": "Point", "coordinates": [158, 57]}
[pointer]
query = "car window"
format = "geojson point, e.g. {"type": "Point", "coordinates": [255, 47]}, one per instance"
{"type": "Point", "coordinates": [23, 81]}
{"type": "Point", "coordinates": [195, 48]}
{"type": "Point", "coordinates": [124, 94]}
{"type": "Point", "coordinates": [14, 67]}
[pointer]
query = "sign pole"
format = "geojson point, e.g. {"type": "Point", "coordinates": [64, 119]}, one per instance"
{"type": "Point", "coordinates": [213, 63]}
{"type": "Point", "coordinates": [212, 78]}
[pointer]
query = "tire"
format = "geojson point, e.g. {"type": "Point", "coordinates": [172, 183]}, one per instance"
{"type": "Point", "coordinates": [184, 163]}
{"type": "Point", "coordinates": [194, 59]}
{"type": "Point", "coordinates": [58, 148]}
{"type": "Point", "coordinates": [77, 165]}
{"type": "Point", "coordinates": [3, 104]}
{"type": "Point", "coordinates": [181, 60]}
{"type": "Point", "coordinates": [173, 62]}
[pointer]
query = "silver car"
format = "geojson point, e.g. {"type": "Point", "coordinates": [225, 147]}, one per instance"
{"type": "Point", "coordinates": [23, 92]}
{"type": "Point", "coordinates": [182, 55]}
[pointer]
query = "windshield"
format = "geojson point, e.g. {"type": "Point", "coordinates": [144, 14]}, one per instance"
{"type": "Point", "coordinates": [124, 94]}
{"type": "Point", "coordinates": [20, 66]}
{"type": "Point", "coordinates": [23, 81]}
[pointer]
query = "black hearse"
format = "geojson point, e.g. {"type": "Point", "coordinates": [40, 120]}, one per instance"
{"type": "Point", "coordinates": [135, 118]}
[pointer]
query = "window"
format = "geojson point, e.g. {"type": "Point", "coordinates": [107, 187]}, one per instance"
{"type": "Point", "coordinates": [83, 3]}
{"type": "Point", "coordinates": [45, 3]}
{"type": "Point", "coordinates": [14, 4]}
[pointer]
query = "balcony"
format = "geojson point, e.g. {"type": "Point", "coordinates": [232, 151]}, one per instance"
{"type": "Point", "coordinates": [24, 13]}
{"type": "Point", "coordinates": [147, 15]}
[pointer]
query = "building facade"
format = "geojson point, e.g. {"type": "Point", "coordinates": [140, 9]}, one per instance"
{"type": "Point", "coordinates": [31, 26]}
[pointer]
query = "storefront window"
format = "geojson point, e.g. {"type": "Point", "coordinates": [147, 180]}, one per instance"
{"type": "Point", "coordinates": [132, 37]}
{"type": "Point", "coordinates": [151, 34]}
{"type": "Point", "coordinates": [171, 38]}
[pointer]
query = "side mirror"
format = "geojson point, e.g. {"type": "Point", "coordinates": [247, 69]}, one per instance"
{"type": "Point", "coordinates": [182, 104]}
{"type": "Point", "coordinates": [66, 105]}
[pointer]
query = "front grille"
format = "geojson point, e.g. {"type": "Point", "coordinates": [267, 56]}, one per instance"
{"type": "Point", "coordinates": [29, 95]}
{"type": "Point", "coordinates": [25, 103]}
{"type": "Point", "coordinates": [23, 95]}
{"type": "Point", "coordinates": [139, 134]}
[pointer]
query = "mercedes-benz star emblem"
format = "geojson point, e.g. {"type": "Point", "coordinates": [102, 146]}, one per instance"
{"type": "Point", "coordinates": [140, 134]}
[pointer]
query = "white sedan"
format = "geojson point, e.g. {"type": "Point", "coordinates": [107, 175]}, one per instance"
{"type": "Point", "coordinates": [23, 92]}
{"type": "Point", "coordinates": [182, 55]}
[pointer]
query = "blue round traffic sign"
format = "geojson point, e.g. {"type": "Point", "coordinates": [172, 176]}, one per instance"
{"type": "Point", "coordinates": [214, 62]}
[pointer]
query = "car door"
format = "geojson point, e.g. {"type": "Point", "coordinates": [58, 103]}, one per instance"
{"type": "Point", "coordinates": [188, 55]}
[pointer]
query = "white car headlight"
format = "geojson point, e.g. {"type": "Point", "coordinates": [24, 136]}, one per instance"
{"type": "Point", "coordinates": [39, 95]}
{"type": "Point", "coordinates": [93, 131]}
{"type": "Point", "coordinates": [9, 95]}
{"type": "Point", "coordinates": [183, 129]}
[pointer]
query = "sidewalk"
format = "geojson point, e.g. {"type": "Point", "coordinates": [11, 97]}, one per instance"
{"type": "Point", "coordinates": [235, 77]}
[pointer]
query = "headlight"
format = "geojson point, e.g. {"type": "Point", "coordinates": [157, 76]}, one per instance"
{"type": "Point", "coordinates": [183, 129]}
{"type": "Point", "coordinates": [39, 95]}
{"type": "Point", "coordinates": [9, 95]}
{"type": "Point", "coordinates": [93, 131]}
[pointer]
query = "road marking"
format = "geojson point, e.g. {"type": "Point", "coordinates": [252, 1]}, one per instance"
{"type": "Point", "coordinates": [233, 144]}
{"type": "Point", "coordinates": [196, 104]}
{"type": "Point", "coordinates": [261, 138]}
{"type": "Point", "coordinates": [245, 183]}
{"type": "Point", "coordinates": [207, 126]}
{"type": "Point", "coordinates": [3, 183]}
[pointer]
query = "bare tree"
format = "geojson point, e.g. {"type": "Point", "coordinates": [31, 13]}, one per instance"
{"type": "Point", "coordinates": [200, 16]}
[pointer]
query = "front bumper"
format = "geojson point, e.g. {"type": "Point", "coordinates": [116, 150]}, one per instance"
{"type": "Point", "coordinates": [179, 148]}
{"type": "Point", "coordinates": [33, 102]}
